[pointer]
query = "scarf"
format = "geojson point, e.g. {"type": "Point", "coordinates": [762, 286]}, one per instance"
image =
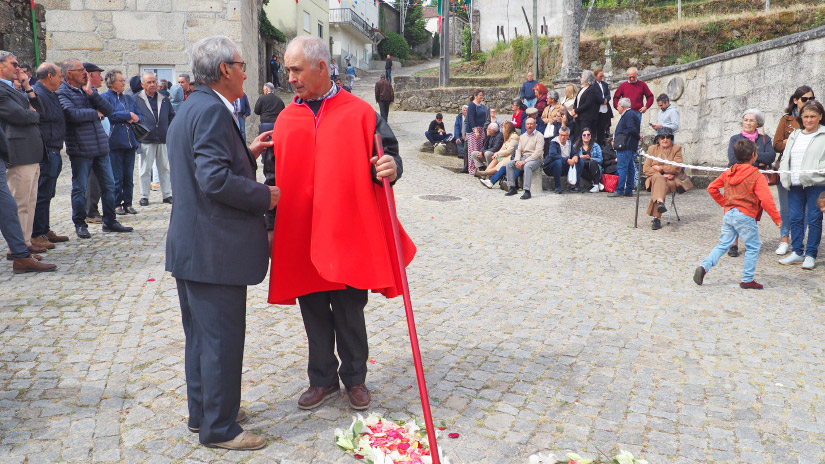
{"type": "Point", "coordinates": [751, 137]}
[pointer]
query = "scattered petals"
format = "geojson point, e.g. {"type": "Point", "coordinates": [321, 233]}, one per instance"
{"type": "Point", "coordinates": [442, 428]}
{"type": "Point", "coordinates": [372, 361]}
{"type": "Point", "coordinates": [357, 456]}
{"type": "Point", "coordinates": [453, 435]}
{"type": "Point", "coordinates": [151, 280]}
{"type": "Point", "coordinates": [378, 440]}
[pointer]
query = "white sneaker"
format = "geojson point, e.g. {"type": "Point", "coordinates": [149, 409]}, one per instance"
{"type": "Point", "coordinates": [601, 187]}
{"type": "Point", "coordinates": [783, 248]}
{"type": "Point", "coordinates": [595, 189]}
{"type": "Point", "coordinates": [486, 183]}
{"type": "Point", "coordinates": [792, 259]}
{"type": "Point", "coordinates": [809, 264]}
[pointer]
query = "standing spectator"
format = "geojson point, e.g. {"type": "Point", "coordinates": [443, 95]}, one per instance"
{"type": "Point", "coordinates": [805, 151]}
{"type": "Point", "coordinates": [333, 71]}
{"type": "Point", "coordinates": [586, 105]}
{"type": "Point", "coordinates": [384, 95]}
{"type": "Point", "coordinates": [605, 111]}
{"type": "Point", "coordinates": [242, 111]}
{"type": "Point", "coordinates": [388, 69]}
{"type": "Point", "coordinates": [122, 140]}
{"type": "Point", "coordinates": [476, 117]}
{"type": "Point", "coordinates": [24, 260]}
{"type": "Point", "coordinates": [268, 107]}
{"type": "Point", "coordinates": [135, 86]}
{"type": "Point", "coordinates": [343, 86]}
{"type": "Point", "coordinates": [437, 133]}
{"type": "Point", "coordinates": [787, 124]}
{"type": "Point", "coordinates": [641, 98]}
{"type": "Point", "coordinates": [29, 74]}
{"type": "Point", "coordinates": [163, 87]}
{"type": "Point", "coordinates": [628, 128]}
{"type": "Point", "coordinates": [19, 117]}
{"type": "Point", "coordinates": [570, 93]}
{"type": "Point", "coordinates": [350, 74]}
{"type": "Point", "coordinates": [220, 207]}
{"type": "Point", "coordinates": [668, 118]}
{"type": "Point", "coordinates": [93, 192]}
{"type": "Point", "coordinates": [180, 92]}
{"type": "Point", "coordinates": [460, 131]}
{"type": "Point", "coordinates": [87, 146]}
{"type": "Point", "coordinates": [528, 157]}
{"type": "Point", "coordinates": [752, 120]}
{"type": "Point", "coordinates": [275, 69]}
{"type": "Point", "coordinates": [53, 129]}
{"type": "Point", "coordinates": [526, 93]}
{"type": "Point", "coordinates": [157, 113]}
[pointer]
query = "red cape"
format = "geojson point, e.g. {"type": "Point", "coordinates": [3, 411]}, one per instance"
{"type": "Point", "coordinates": [332, 228]}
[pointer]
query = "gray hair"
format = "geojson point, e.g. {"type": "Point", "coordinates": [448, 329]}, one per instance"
{"type": "Point", "coordinates": [493, 126]}
{"type": "Point", "coordinates": [4, 54]}
{"type": "Point", "coordinates": [185, 77]}
{"type": "Point", "coordinates": [147, 73]}
{"type": "Point", "coordinates": [45, 70]}
{"type": "Point", "coordinates": [67, 65]}
{"type": "Point", "coordinates": [634, 69]}
{"type": "Point", "coordinates": [315, 50]}
{"type": "Point", "coordinates": [553, 95]}
{"type": "Point", "coordinates": [207, 55]}
{"type": "Point", "coordinates": [624, 101]}
{"type": "Point", "coordinates": [110, 77]}
{"type": "Point", "coordinates": [588, 77]}
{"type": "Point", "coordinates": [564, 129]}
{"type": "Point", "coordinates": [269, 86]}
{"type": "Point", "coordinates": [464, 107]}
{"type": "Point", "coordinates": [530, 119]}
{"type": "Point", "coordinates": [760, 118]}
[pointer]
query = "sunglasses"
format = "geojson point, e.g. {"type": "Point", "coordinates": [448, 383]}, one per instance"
{"type": "Point", "coordinates": [806, 99]}
{"type": "Point", "coordinates": [585, 135]}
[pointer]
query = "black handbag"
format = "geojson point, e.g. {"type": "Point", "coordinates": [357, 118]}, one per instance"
{"type": "Point", "coordinates": [141, 130]}
{"type": "Point", "coordinates": [620, 141]}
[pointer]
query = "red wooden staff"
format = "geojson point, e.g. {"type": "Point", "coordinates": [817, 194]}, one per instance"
{"type": "Point", "coordinates": [419, 368]}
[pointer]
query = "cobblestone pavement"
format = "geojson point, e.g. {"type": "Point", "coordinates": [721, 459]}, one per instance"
{"type": "Point", "coordinates": [548, 324]}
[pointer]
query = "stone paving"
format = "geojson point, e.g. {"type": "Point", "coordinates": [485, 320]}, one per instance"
{"type": "Point", "coordinates": [548, 324]}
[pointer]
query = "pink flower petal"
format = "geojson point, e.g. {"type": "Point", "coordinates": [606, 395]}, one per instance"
{"type": "Point", "coordinates": [151, 280]}
{"type": "Point", "coordinates": [453, 435]}
{"type": "Point", "coordinates": [372, 361]}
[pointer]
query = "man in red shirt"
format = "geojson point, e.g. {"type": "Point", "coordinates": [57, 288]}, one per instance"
{"type": "Point", "coordinates": [641, 98]}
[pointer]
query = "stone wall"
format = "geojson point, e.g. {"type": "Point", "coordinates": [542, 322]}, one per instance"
{"type": "Point", "coordinates": [16, 30]}
{"type": "Point", "coordinates": [451, 99]}
{"type": "Point", "coordinates": [602, 18]}
{"type": "Point", "coordinates": [712, 93]}
{"type": "Point", "coordinates": [403, 83]}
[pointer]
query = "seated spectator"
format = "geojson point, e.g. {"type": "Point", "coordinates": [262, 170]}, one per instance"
{"type": "Point", "coordinates": [341, 85]}
{"type": "Point", "coordinates": [590, 159]}
{"type": "Point", "coordinates": [609, 159]}
{"type": "Point", "coordinates": [553, 107]}
{"type": "Point", "coordinates": [527, 158]}
{"type": "Point", "coordinates": [533, 113]}
{"type": "Point", "coordinates": [662, 178]}
{"type": "Point", "coordinates": [541, 97]}
{"type": "Point", "coordinates": [518, 114]}
{"type": "Point", "coordinates": [492, 143]}
{"type": "Point", "coordinates": [493, 118]}
{"type": "Point", "coordinates": [560, 157]}
{"type": "Point", "coordinates": [496, 168]}
{"type": "Point", "coordinates": [436, 132]}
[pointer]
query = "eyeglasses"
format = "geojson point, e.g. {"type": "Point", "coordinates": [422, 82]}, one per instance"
{"type": "Point", "coordinates": [14, 64]}
{"type": "Point", "coordinates": [242, 63]}
{"type": "Point", "coordinates": [806, 99]}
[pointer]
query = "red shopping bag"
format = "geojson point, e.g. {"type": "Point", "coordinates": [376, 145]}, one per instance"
{"type": "Point", "coordinates": [610, 181]}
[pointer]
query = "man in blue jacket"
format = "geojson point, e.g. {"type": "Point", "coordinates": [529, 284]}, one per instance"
{"type": "Point", "coordinates": [242, 111]}
{"type": "Point", "coordinates": [87, 146]}
{"type": "Point", "coordinates": [460, 131]}
{"type": "Point", "coordinates": [157, 113]}
{"type": "Point", "coordinates": [628, 128]}
{"type": "Point", "coordinates": [526, 93]}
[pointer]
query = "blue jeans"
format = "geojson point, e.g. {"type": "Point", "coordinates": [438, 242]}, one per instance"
{"type": "Point", "coordinates": [9, 220]}
{"type": "Point", "coordinates": [802, 210]}
{"type": "Point", "coordinates": [782, 192]}
{"type": "Point", "coordinates": [433, 138]}
{"type": "Point", "coordinates": [530, 102]}
{"type": "Point", "coordinates": [554, 168]}
{"type": "Point", "coordinates": [46, 187]}
{"type": "Point", "coordinates": [123, 171]}
{"type": "Point", "coordinates": [626, 170]}
{"type": "Point", "coordinates": [242, 127]}
{"type": "Point", "coordinates": [737, 224]}
{"type": "Point", "coordinates": [388, 75]}
{"type": "Point", "coordinates": [501, 173]}
{"type": "Point", "coordinates": [81, 167]}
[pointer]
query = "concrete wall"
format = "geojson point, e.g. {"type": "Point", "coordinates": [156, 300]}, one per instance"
{"type": "Point", "coordinates": [508, 13]}
{"type": "Point", "coordinates": [717, 89]}
{"type": "Point", "coordinates": [347, 41]}
{"type": "Point", "coordinates": [16, 30]}
{"type": "Point", "coordinates": [288, 16]}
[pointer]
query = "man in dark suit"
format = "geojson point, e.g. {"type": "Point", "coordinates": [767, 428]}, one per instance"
{"type": "Point", "coordinates": [605, 111]}
{"type": "Point", "coordinates": [19, 115]}
{"type": "Point", "coordinates": [268, 107]}
{"type": "Point", "coordinates": [218, 201]}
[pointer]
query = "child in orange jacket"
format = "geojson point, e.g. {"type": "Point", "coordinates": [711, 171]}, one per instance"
{"type": "Point", "coordinates": [746, 194]}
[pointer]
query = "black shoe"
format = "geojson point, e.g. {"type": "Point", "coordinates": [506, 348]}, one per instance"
{"type": "Point", "coordinates": [526, 195]}
{"type": "Point", "coordinates": [559, 191]}
{"type": "Point", "coordinates": [657, 224]}
{"type": "Point", "coordinates": [116, 227]}
{"type": "Point", "coordinates": [144, 202]}
{"type": "Point", "coordinates": [699, 275]}
{"type": "Point", "coordinates": [130, 210]}
{"type": "Point", "coordinates": [733, 251]}
{"type": "Point", "coordinates": [628, 194]}
{"type": "Point", "coordinates": [614, 195]}
{"type": "Point", "coordinates": [661, 208]}
{"type": "Point", "coordinates": [120, 211]}
{"type": "Point", "coordinates": [168, 200]}
{"type": "Point", "coordinates": [464, 171]}
{"type": "Point", "coordinates": [82, 231]}
{"type": "Point", "coordinates": [512, 191]}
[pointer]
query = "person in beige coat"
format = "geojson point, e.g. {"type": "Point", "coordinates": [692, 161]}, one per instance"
{"type": "Point", "coordinates": [662, 178]}
{"type": "Point", "coordinates": [528, 158]}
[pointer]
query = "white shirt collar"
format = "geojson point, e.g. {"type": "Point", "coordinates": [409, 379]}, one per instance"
{"type": "Point", "coordinates": [226, 103]}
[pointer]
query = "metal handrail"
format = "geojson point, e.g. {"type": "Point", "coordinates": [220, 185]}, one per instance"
{"type": "Point", "coordinates": [348, 16]}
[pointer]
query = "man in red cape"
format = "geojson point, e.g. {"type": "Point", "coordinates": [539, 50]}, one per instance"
{"type": "Point", "coordinates": [333, 232]}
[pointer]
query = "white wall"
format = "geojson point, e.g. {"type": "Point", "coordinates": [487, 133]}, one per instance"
{"type": "Point", "coordinates": [498, 13]}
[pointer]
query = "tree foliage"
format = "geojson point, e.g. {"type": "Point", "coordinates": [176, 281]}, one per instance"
{"type": "Point", "coordinates": [415, 28]}
{"type": "Point", "coordinates": [266, 28]}
{"type": "Point", "coordinates": [394, 45]}
{"type": "Point", "coordinates": [466, 41]}
{"type": "Point", "coordinates": [436, 51]}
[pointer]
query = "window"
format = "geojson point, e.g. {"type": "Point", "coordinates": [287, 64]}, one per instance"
{"type": "Point", "coordinates": [163, 72]}
{"type": "Point", "coordinates": [320, 29]}
{"type": "Point", "coordinates": [306, 22]}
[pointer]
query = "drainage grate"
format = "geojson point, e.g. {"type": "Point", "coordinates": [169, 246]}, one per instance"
{"type": "Point", "coordinates": [441, 198]}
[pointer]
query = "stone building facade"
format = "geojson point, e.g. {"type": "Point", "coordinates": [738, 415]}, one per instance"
{"type": "Point", "coordinates": [16, 30]}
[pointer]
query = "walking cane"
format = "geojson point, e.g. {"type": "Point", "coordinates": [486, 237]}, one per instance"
{"type": "Point", "coordinates": [638, 189]}
{"type": "Point", "coordinates": [419, 368]}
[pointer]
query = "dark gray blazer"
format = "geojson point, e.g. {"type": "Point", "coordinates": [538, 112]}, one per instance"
{"type": "Point", "coordinates": [217, 232]}
{"type": "Point", "coordinates": [20, 124]}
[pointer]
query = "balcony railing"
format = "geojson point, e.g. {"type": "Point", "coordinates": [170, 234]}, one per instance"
{"type": "Point", "coordinates": [347, 16]}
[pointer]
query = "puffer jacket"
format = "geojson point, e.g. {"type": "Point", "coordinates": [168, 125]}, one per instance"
{"type": "Point", "coordinates": [85, 136]}
{"type": "Point", "coordinates": [122, 136]}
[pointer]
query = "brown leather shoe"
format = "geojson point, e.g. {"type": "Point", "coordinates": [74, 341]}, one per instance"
{"type": "Point", "coordinates": [36, 249]}
{"type": "Point", "coordinates": [23, 265]}
{"type": "Point", "coordinates": [11, 258]}
{"type": "Point", "coordinates": [42, 242]}
{"type": "Point", "coordinates": [359, 396]}
{"type": "Point", "coordinates": [245, 441]}
{"type": "Point", "coordinates": [241, 417]}
{"type": "Point", "coordinates": [314, 396]}
{"type": "Point", "coordinates": [54, 238]}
